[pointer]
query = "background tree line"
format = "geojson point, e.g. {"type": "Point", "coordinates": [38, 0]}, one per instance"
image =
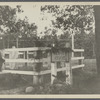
{"type": "Point", "coordinates": [70, 19]}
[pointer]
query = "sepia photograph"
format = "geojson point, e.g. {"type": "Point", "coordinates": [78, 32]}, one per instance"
{"type": "Point", "coordinates": [49, 48]}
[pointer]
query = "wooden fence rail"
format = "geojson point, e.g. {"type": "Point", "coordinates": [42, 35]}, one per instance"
{"type": "Point", "coordinates": [80, 59]}
{"type": "Point", "coordinates": [52, 71]}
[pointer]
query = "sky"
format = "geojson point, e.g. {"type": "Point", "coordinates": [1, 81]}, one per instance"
{"type": "Point", "coordinates": [34, 15]}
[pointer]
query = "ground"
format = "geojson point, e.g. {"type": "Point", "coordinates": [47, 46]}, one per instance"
{"type": "Point", "coordinates": [85, 81]}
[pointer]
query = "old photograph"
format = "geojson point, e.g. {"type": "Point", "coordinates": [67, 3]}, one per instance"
{"type": "Point", "coordinates": [49, 48]}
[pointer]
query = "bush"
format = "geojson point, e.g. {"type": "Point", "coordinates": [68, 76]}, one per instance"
{"type": "Point", "coordinates": [56, 88]}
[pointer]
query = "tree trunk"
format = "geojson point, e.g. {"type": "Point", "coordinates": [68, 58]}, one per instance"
{"type": "Point", "coordinates": [97, 35]}
{"type": "Point", "coordinates": [17, 42]}
{"type": "Point", "coordinates": [8, 42]}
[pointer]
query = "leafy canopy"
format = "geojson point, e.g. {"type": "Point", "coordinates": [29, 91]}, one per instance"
{"type": "Point", "coordinates": [71, 18]}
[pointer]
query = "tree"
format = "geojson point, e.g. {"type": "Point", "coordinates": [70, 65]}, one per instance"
{"type": "Point", "coordinates": [12, 28]}
{"type": "Point", "coordinates": [97, 35]}
{"type": "Point", "coordinates": [7, 21]}
{"type": "Point", "coordinates": [22, 30]}
{"type": "Point", "coordinates": [79, 18]}
{"type": "Point", "coordinates": [71, 19]}
{"type": "Point", "coordinates": [87, 42]}
{"type": "Point", "coordinates": [83, 20]}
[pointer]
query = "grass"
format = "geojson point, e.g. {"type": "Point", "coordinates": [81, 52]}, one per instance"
{"type": "Point", "coordinates": [90, 66]}
{"type": "Point", "coordinates": [84, 82]}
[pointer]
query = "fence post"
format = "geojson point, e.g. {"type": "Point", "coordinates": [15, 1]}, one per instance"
{"type": "Point", "coordinates": [35, 79]}
{"type": "Point", "coordinates": [68, 73]}
{"type": "Point", "coordinates": [40, 79]}
{"type": "Point", "coordinates": [81, 61]}
{"type": "Point", "coordinates": [53, 71]}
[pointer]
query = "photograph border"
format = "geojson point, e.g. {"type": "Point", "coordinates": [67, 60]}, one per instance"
{"type": "Point", "coordinates": [52, 97]}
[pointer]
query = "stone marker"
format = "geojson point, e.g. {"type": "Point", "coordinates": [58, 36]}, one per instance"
{"type": "Point", "coordinates": [29, 90]}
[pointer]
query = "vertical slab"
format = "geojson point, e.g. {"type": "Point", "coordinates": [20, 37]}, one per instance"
{"type": "Point", "coordinates": [40, 79]}
{"type": "Point", "coordinates": [35, 80]}
{"type": "Point", "coordinates": [72, 44]}
{"type": "Point", "coordinates": [80, 61]}
{"type": "Point", "coordinates": [53, 71]}
{"type": "Point", "coordinates": [68, 73]}
{"type": "Point", "coordinates": [35, 77]}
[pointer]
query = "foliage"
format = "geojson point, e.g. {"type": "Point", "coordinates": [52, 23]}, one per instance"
{"type": "Point", "coordinates": [86, 42]}
{"type": "Point", "coordinates": [71, 18]}
{"type": "Point", "coordinates": [75, 19]}
{"type": "Point", "coordinates": [58, 88]}
{"type": "Point", "coordinates": [7, 18]}
{"type": "Point", "coordinates": [23, 30]}
{"type": "Point", "coordinates": [12, 28]}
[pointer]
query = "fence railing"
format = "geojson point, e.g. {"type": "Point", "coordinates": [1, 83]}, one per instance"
{"type": "Point", "coordinates": [80, 59]}
{"type": "Point", "coordinates": [79, 65]}
{"type": "Point", "coordinates": [53, 70]}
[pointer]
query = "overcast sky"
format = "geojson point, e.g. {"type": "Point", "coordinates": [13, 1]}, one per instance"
{"type": "Point", "coordinates": [35, 15]}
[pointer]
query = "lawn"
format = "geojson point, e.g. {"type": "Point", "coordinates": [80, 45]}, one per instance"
{"type": "Point", "coordinates": [84, 81]}
{"type": "Point", "coordinates": [90, 66]}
